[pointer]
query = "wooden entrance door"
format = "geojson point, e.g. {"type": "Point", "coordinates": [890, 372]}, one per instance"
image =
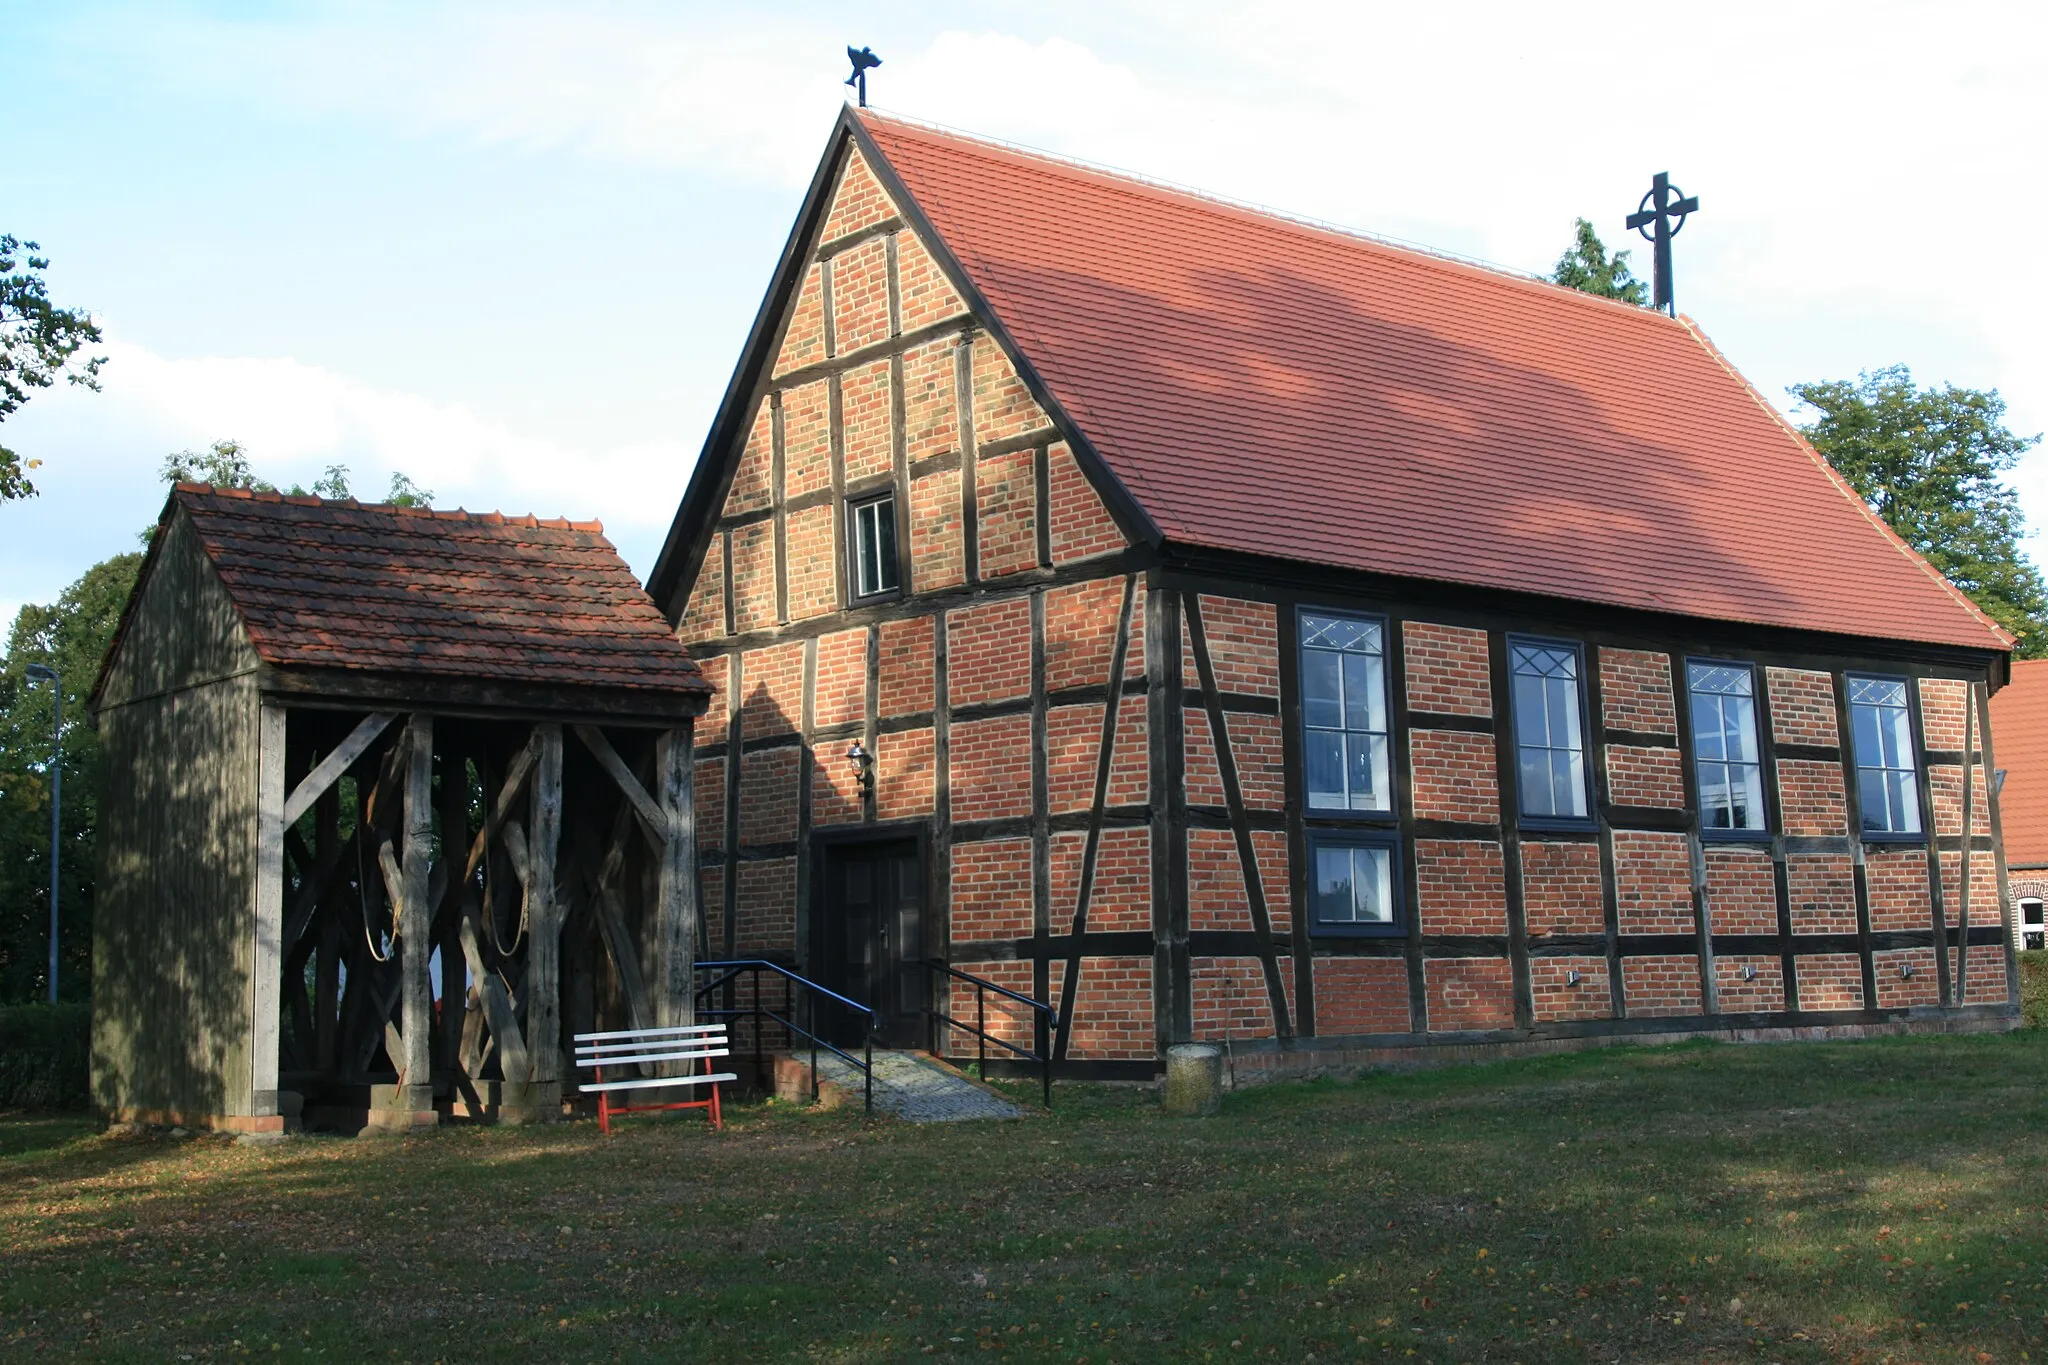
{"type": "Point", "coordinates": [873, 936]}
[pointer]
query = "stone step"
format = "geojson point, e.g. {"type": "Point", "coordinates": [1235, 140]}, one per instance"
{"type": "Point", "coordinates": [914, 1086]}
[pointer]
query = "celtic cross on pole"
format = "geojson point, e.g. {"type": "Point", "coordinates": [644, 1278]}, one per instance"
{"type": "Point", "coordinates": [1659, 217]}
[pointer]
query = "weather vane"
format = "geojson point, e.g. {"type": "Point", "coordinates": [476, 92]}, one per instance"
{"type": "Point", "coordinates": [864, 60]}
{"type": "Point", "coordinates": [1659, 217]}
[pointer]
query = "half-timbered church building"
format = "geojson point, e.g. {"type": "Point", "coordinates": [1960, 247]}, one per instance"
{"type": "Point", "coordinates": [1219, 626]}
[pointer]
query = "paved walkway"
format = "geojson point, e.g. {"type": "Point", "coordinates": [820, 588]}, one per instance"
{"type": "Point", "coordinates": [913, 1088]}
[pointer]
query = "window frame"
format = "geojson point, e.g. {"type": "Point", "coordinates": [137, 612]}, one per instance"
{"type": "Point", "coordinates": [1917, 754]}
{"type": "Point", "coordinates": [1767, 831]}
{"type": "Point", "coordinates": [1346, 815]}
{"type": "Point", "coordinates": [1589, 784]}
{"type": "Point", "coordinates": [1355, 837]}
{"type": "Point", "coordinates": [855, 504]}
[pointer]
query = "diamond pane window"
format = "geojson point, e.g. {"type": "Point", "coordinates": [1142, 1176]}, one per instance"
{"type": "Point", "coordinates": [1724, 743]}
{"type": "Point", "coordinates": [1354, 891]}
{"type": "Point", "coordinates": [1550, 736]}
{"type": "Point", "coordinates": [1886, 770]}
{"type": "Point", "coordinates": [874, 546]}
{"type": "Point", "coordinates": [1344, 713]}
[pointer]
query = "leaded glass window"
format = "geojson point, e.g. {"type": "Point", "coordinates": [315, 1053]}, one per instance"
{"type": "Point", "coordinates": [1344, 713]}
{"type": "Point", "coordinates": [874, 546]}
{"type": "Point", "coordinates": [1886, 773]}
{"type": "Point", "coordinates": [1724, 745]}
{"type": "Point", "coordinates": [1355, 886]}
{"type": "Point", "coordinates": [1550, 736]}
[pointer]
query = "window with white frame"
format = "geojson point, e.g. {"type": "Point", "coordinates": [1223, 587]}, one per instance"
{"type": "Point", "coordinates": [1344, 713]}
{"type": "Point", "coordinates": [1356, 889]}
{"type": "Point", "coordinates": [873, 545]}
{"type": "Point", "coordinates": [1550, 731]}
{"type": "Point", "coordinates": [1887, 775]}
{"type": "Point", "coordinates": [1724, 745]}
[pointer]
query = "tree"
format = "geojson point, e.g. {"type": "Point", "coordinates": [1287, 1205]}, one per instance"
{"type": "Point", "coordinates": [38, 343]}
{"type": "Point", "coordinates": [225, 464]}
{"type": "Point", "coordinates": [1586, 267]}
{"type": "Point", "coordinates": [1929, 462]}
{"type": "Point", "coordinates": [70, 635]}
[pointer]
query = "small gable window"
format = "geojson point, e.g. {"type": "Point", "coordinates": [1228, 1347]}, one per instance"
{"type": "Point", "coordinates": [1356, 891]}
{"type": "Point", "coordinates": [1550, 732]}
{"type": "Point", "coordinates": [1724, 746]}
{"type": "Point", "coordinates": [1344, 712]}
{"type": "Point", "coordinates": [1886, 773]}
{"type": "Point", "coordinates": [872, 540]}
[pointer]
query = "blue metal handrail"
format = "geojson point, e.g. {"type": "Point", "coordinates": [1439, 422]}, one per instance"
{"type": "Point", "coordinates": [1043, 1016]}
{"type": "Point", "coordinates": [738, 967]}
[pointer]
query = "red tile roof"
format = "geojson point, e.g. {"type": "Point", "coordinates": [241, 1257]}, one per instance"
{"type": "Point", "coordinates": [1268, 386]}
{"type": "Point", "coordinates": [2019, 736]}
{"type": "Point", "coordinates": [326, 584]}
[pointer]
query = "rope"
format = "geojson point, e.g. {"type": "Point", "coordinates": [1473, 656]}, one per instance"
{"type": "Point", "coordinates": [362, 896]}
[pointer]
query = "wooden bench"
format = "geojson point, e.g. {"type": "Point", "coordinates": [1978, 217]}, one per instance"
{"type": "Point", "coordinates": [629, 1048]}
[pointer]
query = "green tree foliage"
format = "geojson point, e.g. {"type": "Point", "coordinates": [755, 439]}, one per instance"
{"type": "Point", "coordinates": [70, 635]}
{"type": "Point", "coordinates": [1586, 267]}
{"type": "Point", "coordinates": [39, 342]}
{"type": "Point", "coordinates": [225, 464]}
{"type": "Point", "coordinates": [1929, 461]}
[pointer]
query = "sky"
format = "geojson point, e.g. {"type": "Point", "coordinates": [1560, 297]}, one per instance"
{"type": "Point", "coordinates": [512, 250]}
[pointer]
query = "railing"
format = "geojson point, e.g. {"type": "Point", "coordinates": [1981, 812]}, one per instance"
{"type": "Point", "coordinates": [1042, 1022]}
{"type": "Point", "coordinates": [761, 1013]}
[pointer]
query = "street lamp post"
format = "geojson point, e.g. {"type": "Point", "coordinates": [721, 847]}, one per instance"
{"type": "Point", "coordinates": [45, 673]}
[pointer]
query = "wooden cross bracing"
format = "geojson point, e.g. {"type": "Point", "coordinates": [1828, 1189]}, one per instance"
{"type": "Point", "coordinates": [405, 849]}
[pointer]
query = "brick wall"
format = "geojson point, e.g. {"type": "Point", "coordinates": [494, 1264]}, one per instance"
{"type": "Point", "coordinates": [1561, 890]}
{"type": "Point", "coordinates": [768, 796]}
{"type": "Point", "coordinates": [988, 652]}
{"type": "Point", "coordinates": [1256, 748]}
{"type": "Point", "coordinates": [1558, 998]}
{"type": "Point", "coordinates": [840, 696]}
{"type": "Point", "coordinates": [812, 579]}
{"type": "Point", "coordinates": [867, 433]}
{"type": "Point", "coordinates": [1006, 499]}
{"type": "Point", "coordinates": [1802, 706]}
{"type": "Point", "coordinates": [1810, 797]}
{"type": "Point", "coordinates": [1742, 891]}
{"type": "Point", "coordinates": [903, 681]}
{"type": "Point", "coordinates": [1945, 785]}
{"type": "Point", "coordinates": [991, 891]}
{"type": "Point", "coordinates": [991, 768]}
{"type": "Point", "coordinates": [1121, 898]}
{"type": "Point", "coordinates": [925, 295]}
{"type": "Point", "coordinates": [1823, 893]}
{"type": "Point", "coordinates": [1944, 704]}
{"type": "Point", "coordinates": [753, 576]}
{"type": "Point", "coordinates": [1217, 897]}
{"type": "Point", "coordinates": [1230, 997]}
{"type": "Point", "coordinates": [1082, 527]}
{"type": "Point", "coordinates": [938, 556]}
{"type": "Point", "coordinates": [709, 784]}
{"type": "Point", "coordinates": [931, 410]}
{"type": "Point", "coordinates": [859, 202]}
{"type": "Point", "coordinates": [806, 439]}
{"type": "Point", "coordinates": [1003, 406]}
{"type": "Point", "coordinates": [704, 617]}
{"type": "Point", "coordinates": [1469, 993]}
{"type": "Point", "coordinates": [1829, 981]}
{"type": "Point", "coordinates": [1080, 633]}
{"type": "Point", "coordinates": [1635, 691]}
{"type": "Point", "coordinates": [752, 476]}
{"type": "Point", "coordinates": [835, 792]}
{"type": "Point", "coordinates": [1361, 995]}
{"type": "Point", "coordinates": [1448, 669]}
{"type": "Point", "coordinates": [860, 295]}
{"type": "Point", "coordinates": [1460, 887]}
{"type": "Point", "coordinates": [1655, 987]}
{"type": "Point", "coordinates": [803, 343]}
{"type": "Point", "coordinates": [766, 920]}
{"type": "Point", "coordinates": [1005, 1020]}
{"type": "Point", "coordinates": [1984, 979]}
{"type": "Point", "coordinates": [1244, 645]}
{"type": "Point", "coordinates": [1896, 882]}
{"type": "Point", "coordinates": [1112, 1008]}
{"type": "Point", "coordinates": [1653, 882]}
{"type": "Point", "coordinates": [1639, 776]}
{"type": "Point", "coordinates": [1896, 990]}
{"type": "Point", "coordinates": [905, 767]}
{"type": "Point", "coordinates": [1763, 990]}
{"type": "Point", "coordinates": [1452, 773]}
{"type": "Point", "coordinates": [772, 683]}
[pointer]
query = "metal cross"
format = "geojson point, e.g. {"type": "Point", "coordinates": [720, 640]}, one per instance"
{"type": "Point", "coordinates": [864, 60]}
{"type": "Point", "coordinates": [1659, 217]}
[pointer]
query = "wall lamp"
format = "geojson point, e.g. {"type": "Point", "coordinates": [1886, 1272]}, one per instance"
{"type": "Point", "coordinates": [863, 764]}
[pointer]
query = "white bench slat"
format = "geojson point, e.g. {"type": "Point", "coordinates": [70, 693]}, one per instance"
{"type": "Point", "coordinates": [658, 1080]}
{"type": "Point", "coordinates": [638, 1058]}
{"type": "Point", "coordinates": [647, 1032]}
{"type": "Point", "coordinates": [644, 1044]}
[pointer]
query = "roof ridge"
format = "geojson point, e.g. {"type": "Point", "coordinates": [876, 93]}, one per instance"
{"type": "Point", "coordinates": [1210, 199]}
{"type": "Point", "coordinates": [592, 526]}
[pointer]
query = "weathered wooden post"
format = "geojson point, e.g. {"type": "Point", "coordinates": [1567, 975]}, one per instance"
{"type": "Point", "coordinates": [675, 909]}
{"type": "Point", "coordinates": [267, 966]}
{"type": "Point", "coordinates": [543, 980]}
{"type": "Point", "coordinates": [413, 1104]}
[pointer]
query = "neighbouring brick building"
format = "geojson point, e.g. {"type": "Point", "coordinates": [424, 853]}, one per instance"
{"type": "Point", "coordinates": [2019, 719]}
{"type": "Point", "coordinates": [1217, 625]}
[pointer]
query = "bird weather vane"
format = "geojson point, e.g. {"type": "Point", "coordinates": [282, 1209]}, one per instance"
{"type": "Point", "coordinates": [1659, 217]}
{"type": "Point", "coordinates": [864, 60]}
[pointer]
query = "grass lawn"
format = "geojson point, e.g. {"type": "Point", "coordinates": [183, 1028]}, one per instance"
{"type": "Point", "coordinates": [1845, 1201]}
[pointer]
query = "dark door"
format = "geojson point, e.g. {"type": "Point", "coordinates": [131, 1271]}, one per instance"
{"type": "Point", "coordinates": [873, 935]}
